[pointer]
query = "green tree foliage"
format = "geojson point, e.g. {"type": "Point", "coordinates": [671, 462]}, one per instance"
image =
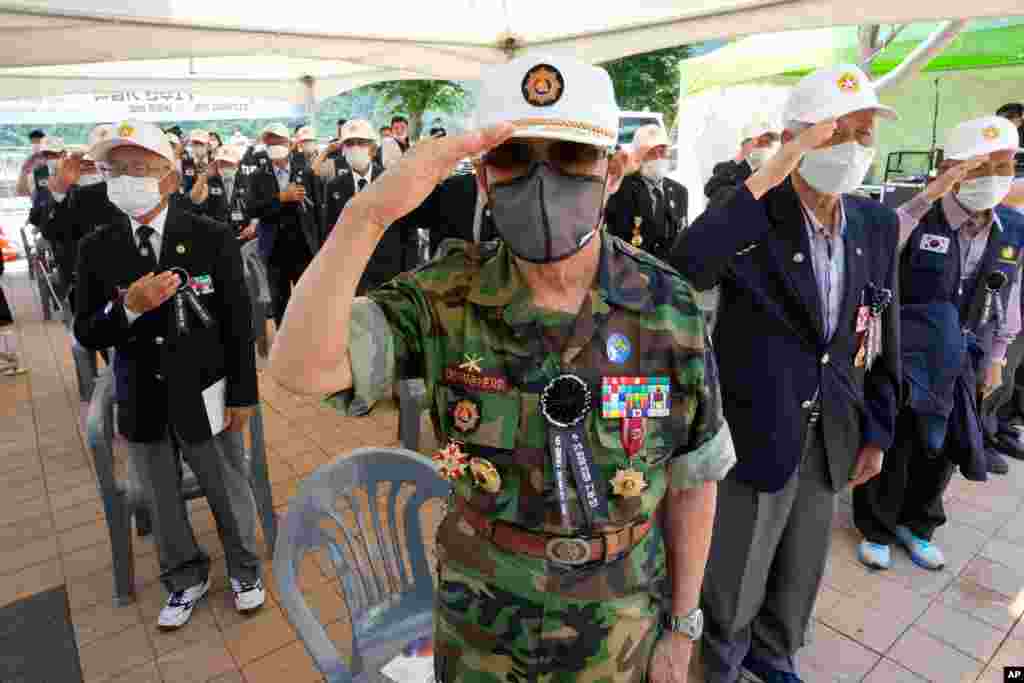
{"type": "Point", "coordinates": [416, 98]}
{"type": "Point", "coordinates": [649, 81]}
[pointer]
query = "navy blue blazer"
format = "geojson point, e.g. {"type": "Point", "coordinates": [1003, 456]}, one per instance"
{"type": "Point", "coordinates": [772, 354]}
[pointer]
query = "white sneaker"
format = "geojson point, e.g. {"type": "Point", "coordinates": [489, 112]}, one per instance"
{"type": "Point", "coordinates": [180, 604]}
{"type": "Point", "coordinates": [248, 596]}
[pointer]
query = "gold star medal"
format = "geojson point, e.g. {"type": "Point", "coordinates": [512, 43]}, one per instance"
{"type": "Point", "coordinates": [637, 238]}
{"type": "Point", "coordinates": [485, 475]}
{"type": "Point", "coordinates": [628, 483]}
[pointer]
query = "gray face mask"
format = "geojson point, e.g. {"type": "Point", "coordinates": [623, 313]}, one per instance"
{"type": "Point", "coordinates": [546, 215]}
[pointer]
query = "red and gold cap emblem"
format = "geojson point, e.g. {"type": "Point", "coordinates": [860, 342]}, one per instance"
{"type": "Point", "coordinates": [125, 130]}
{"type": "Point", "coordinates": [466, 415]}
{"type": "Point", "coordinates": [543, 85]}
{"type": "Point", "coordinates": [848, 83]}
{"type": "Point", "coordinates": [990, 133]}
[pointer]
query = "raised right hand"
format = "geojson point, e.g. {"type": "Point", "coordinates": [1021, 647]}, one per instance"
{"type": "Point", "coordinates": [293, 194]}
{"type": "Point", "coordinates": [776, 169]}
{"type": "Point", "coordinates": [151, 291]}
{"type": "Point", "coordinates": [949, 178]}
{"type": "Point", "coordinates": [405, 185]}
{"type": "Point", "coordinates": [69, 171]}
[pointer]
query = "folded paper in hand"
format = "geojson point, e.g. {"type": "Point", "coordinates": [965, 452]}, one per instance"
{"type": "Point", "coordinates": [213, 398]}
{"type": "Point", "coordinates": [414, 665]}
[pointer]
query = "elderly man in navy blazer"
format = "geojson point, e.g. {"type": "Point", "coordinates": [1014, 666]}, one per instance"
{"type": "Point", "coordinates": [808, 349]}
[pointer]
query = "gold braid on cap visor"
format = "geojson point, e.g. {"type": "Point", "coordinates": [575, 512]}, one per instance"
{"type": "Point", "coordinates": [561, 123]}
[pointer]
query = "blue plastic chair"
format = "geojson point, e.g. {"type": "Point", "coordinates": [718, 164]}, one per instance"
{"type": "Point", "coordinates": [389, 595]}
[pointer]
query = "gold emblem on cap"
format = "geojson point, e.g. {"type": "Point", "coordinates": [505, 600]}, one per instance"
{"type": "Point", "coordinates": [543, 85]}
{"type": "Point", "coordinates": [125, 130]}
{"type": "Point", "coordinates": [848, 82]}
{"type": "Point", "coordinates": [990, 133]}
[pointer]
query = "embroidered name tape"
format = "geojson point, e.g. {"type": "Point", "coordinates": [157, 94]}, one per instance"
{"type": "Point", "coordinates": [935, 243]}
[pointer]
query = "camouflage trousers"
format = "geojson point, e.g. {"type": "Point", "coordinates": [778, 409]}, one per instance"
{"type": "Point", "coordinates": [507, 618]}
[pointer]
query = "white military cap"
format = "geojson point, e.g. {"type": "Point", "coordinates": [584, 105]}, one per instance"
{"type": "Point", "coordinates": [981, 136]}
{"type": "Point", "coordinates": [131, 133]}
{"type": "Point", "coordinates": [651, 135]}
{"type": "Point", "coordinates": [358, 129]}
{"type": "Point", "coordinates": [555, 98]}
{"type": "Point", "coordinates": [277, 129]}
{"type": "Point", "coordinates": [200, 136]}
{"type": "Point", "coordinates": [228, 153]}
{"type": "Point", "coordinates": [831, 93]}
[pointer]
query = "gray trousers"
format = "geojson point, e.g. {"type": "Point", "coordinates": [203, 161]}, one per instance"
{"type": "Point", "coordinates": [768, 555]}
{"type": "Point", "coordinates": [219, 466]}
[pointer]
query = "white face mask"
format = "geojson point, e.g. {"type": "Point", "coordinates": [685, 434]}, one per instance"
{"type": "Point", "coordinates": [655, 169]}
{"type": "Point", "coordinates": [51, 166]}
{"type": "Point", "coordinates": [981, 194]}
{"type": "Point", "coordinates": [759, 155]}
{"type": "Point", "coordinates": [837, 170]}
{"type": "Point", "coordinates": [277, 152]}
{"type": "Point", "coordinates": [90, 179]}
{"type": "Point", "coordinates": [357, 157]}
{"type": "Point", "coordinates": [135, 196]}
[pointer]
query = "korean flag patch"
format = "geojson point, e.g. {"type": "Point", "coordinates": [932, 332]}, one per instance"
{"type": "Point", "coordinates": [935, 243]}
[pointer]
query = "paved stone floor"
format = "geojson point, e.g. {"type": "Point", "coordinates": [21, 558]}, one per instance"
{"type": "Point", "coordinates": [960, 624]}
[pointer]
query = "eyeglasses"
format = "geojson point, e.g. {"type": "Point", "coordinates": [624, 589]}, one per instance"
{"type": "Point", "coordinates": [136, 170]}
{"type": "Point", "coordinates": [567, 156]}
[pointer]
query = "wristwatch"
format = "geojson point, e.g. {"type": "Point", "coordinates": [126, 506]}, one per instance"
{"type": "Point", "coordinates": [690, 625]}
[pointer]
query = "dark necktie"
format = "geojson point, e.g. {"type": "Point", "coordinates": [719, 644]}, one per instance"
{"type": "Point", "coordinates": [657, 197]}
{"type": "Point", "coordinates": [146, 250]}
{"type": "Point", "coordinates": [362, 184]}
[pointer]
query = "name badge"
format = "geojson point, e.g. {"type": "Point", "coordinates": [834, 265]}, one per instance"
{"type": "Point", "coordinates": [237, 216]}
{"type": "Point", "coordinates": [935, 243]}
{"type": "Point", "coordinates": [202, 284]}
{"type": "Point", "coordinates": [632, 397]}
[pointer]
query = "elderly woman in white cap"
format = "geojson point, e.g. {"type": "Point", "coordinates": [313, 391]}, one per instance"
{"type": "Point", "coordinates": [552, 560]}
{"type": "Point", "coordinates": [957, 243]}
{"type": "Point", "coordinates": [807, 338]}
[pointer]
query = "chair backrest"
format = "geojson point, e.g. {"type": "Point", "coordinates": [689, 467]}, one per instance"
{"type": "Point", "coordinates": [100, 437]}
{"type": "Point", "coordinates": [361, 511]}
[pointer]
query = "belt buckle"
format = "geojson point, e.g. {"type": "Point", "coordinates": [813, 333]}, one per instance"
{"type": "Point", "coordinates": [568, 551]}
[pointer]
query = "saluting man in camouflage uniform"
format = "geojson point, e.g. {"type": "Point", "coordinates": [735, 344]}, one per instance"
{"type": "Point", "coordinates": [570, 381]}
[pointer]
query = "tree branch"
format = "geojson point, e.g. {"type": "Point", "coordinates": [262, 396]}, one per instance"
{"type": "Point", "coordinates": [929, 48]}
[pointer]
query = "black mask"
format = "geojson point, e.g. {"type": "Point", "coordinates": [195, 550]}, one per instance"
{"type": "Point", "coordinates": [546, 215]}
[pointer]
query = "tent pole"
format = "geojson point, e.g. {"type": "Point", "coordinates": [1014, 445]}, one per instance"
{"type": "Point", "coordinates": [309, 100]}
{"type": "Point", "coordinates": [935, 127]}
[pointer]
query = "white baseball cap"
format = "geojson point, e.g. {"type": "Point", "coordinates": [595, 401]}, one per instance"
{"type": "Point", "coordinates": [229, 153]}
{"type": "Point", "coordinates": [305, 133]}
{"type": "Point", "coordinates": [132, 133]}
{"type": "Point", "coordinates": [981, 136]}
{"type": "Point", "coordinates": [758, 127]}
{"type": "Point", "coordinates": [200, 136]}
{"type": "Point", "coordinates": [358, 129]}
{"type": "Point", "coordinates": [555, 98]}
{"type": "Point", "coordinates": [831, 93]}
{"type": "Point", "coordinates": [277, 129]}
{"type": "Point", "coordinates": [651, 135]}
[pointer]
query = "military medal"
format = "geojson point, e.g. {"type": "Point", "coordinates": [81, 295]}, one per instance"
{"type": "Point", "coordinates": [633, 432]}
{"type": "Point", "coordinates": [564, 403]}
{"type": "Point", "coordinates": [637, 240]}
{"type": "Point", "coordinates": [628, 483]}
{"type": "Point", "coordinates": [485, 474]}
{"type": "Point", "coordinates": [876, 299]}
{"type": "Point", "coordinates": [635, 397]}
{"type": "Point", "coordinates": [465, 415]}
{"type": "Point", "coordinates": [451, 461]}
{"type": "Point", "coordinates": [186, 297]}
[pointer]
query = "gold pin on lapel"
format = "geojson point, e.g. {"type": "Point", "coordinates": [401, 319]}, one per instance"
{"type": "Point", "coordinates": [181, 249]}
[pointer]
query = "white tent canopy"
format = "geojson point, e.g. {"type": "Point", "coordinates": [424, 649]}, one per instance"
{"type": "Point", "coordinates": [314, 50]}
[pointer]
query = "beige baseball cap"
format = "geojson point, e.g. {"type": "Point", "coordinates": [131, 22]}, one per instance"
{"type": "Point", "coordinates": [981, 136]}
{"type": "Point", "coordinates": [358, 129]}
{"type": "Point", "coordinates": [134, 133]}
{"type": "Point", "coordinates": [831, 93]}
{"type": "Point", "coordinates": [554, 98]}
{"type": "Point", "coordinates": [277, 129]}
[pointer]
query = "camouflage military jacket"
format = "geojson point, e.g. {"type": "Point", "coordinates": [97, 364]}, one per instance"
{"type": "Point", "coordinates": [465, 323]}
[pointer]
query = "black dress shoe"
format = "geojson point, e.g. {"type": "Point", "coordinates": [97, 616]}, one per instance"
{"type": "Point", "coordinates": [996, 462]}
